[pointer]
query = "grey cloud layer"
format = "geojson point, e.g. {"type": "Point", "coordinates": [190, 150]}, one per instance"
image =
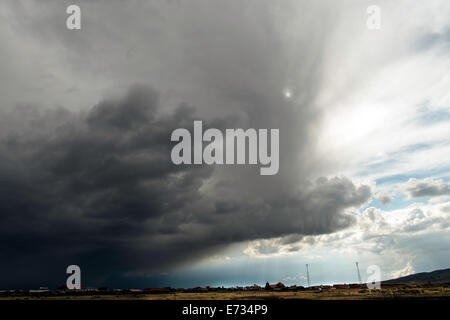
{"type": "Point", "coordinates": [96, 187]}
{"type": "Point", "coordinates": [99, 188]}
{"type": "Point", "coordinates": [426, 188]}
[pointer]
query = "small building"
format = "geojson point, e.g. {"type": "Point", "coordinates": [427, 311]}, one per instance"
{"type": "Point", "coordinates": [157, 290]}
{"type": "Point", "coordinates": [134, 290]}
{"type": "Point", "coordinates": [198, 289]}
{"type": "Point", "coordinates": [275, 287]}
{"type": "Point", "coordinates": [341, 286]}
{"type": "Point", "coordinates": [254, 287]}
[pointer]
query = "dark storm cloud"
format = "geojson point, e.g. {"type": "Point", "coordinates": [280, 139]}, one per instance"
{"type": "Point", "coordinates": [78, 183]}
{"type": "Point", "coordinates": [96, 187]}
{"type": "Point", "coordinates": [99, 189]}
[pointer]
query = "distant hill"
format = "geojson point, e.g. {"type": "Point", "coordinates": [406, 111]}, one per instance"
{"type": "Point", "coordinates": [437, 276]}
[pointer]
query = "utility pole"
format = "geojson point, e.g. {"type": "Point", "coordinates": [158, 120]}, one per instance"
{"type": "Point", "coordinates": [359, 275]}
{"type": "Point", "coordinates": [307, 274]}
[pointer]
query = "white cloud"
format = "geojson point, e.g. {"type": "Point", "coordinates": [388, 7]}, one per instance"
{"type": "Point", "coordinates": [383, 119]}
{"type": "Point", "coordinates": [407, 270]}
{"type": "Point", "coordinates": [384, 198]}
{"type": "Point", "coordinates": [377, 237]}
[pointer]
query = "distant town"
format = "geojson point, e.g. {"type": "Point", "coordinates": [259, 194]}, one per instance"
{"type": "Point", "coordinates": [435, 284]}
{"type": "Point", "coordinates": [278, 287]}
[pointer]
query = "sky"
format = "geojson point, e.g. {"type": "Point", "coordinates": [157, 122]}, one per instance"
{"type": "Point", "coordinates": [86, 117]}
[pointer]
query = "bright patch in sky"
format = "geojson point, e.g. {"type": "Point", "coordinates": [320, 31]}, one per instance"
{"type": "Point", "coordinates": [287, 93]}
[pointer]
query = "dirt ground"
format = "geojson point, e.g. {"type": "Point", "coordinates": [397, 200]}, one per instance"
{"type": "Point", "coordinates": [344, 294]}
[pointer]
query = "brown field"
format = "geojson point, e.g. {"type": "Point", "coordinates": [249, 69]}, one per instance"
{"type": "Point", "coordinates": [409, 292]}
